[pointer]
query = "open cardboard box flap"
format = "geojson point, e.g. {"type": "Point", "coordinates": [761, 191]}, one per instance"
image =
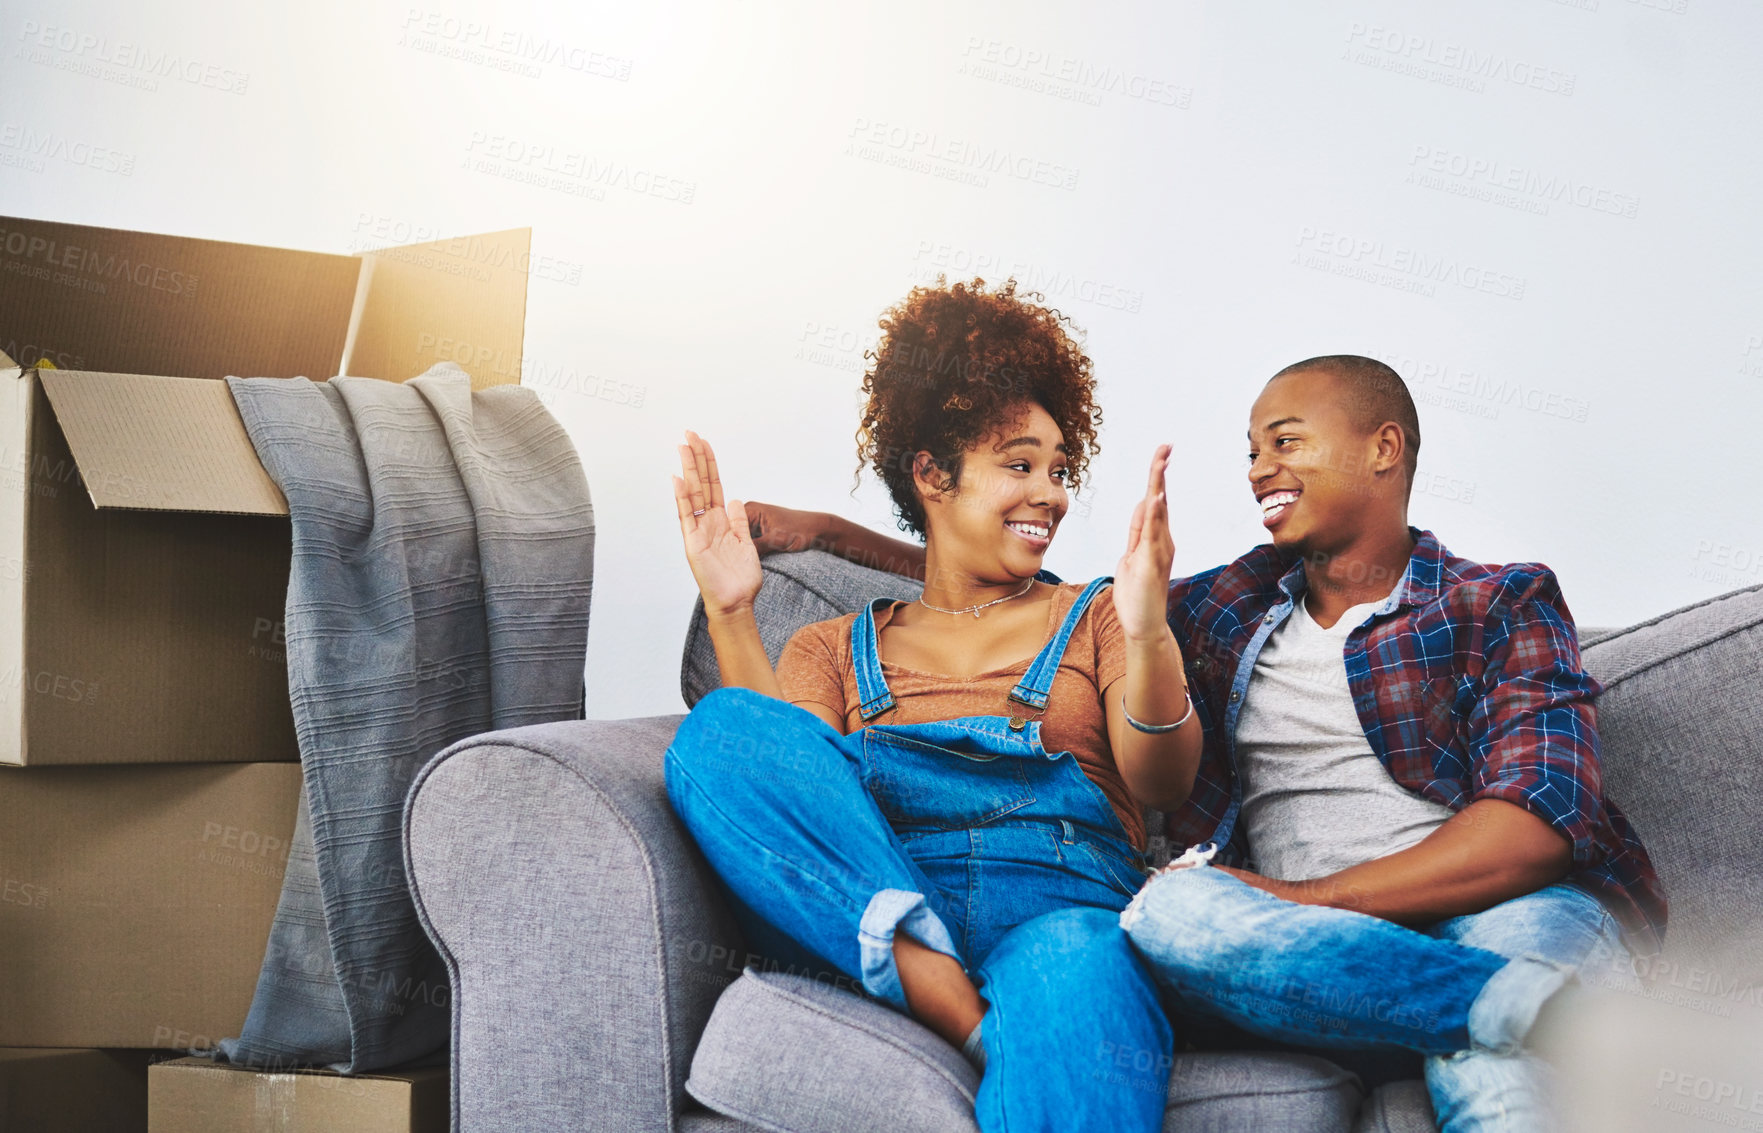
{"type": "Point", "coordinates": [135, 306]}
{"type": "Point", "coordinates": [160, 444]}
{"type": "Point", "coordinates": [73, 297]}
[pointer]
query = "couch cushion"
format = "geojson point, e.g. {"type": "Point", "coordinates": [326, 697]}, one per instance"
{"type": "Point", "coordinates": [799, 588]}
{"type": "Point", "coordinates": [702, 1122]}
{"type": "Point", "coordinates": [1397, 1107]}
{"type": "Point", "coordinates": [783, 1052]}
{"type": "Point", "coordinates": [1220, 1092]}
{"type": "Point", "coordinates": [1679, 721]}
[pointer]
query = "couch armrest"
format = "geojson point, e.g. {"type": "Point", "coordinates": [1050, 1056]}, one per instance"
{"type": "Point", "coordinates": [585, 939]}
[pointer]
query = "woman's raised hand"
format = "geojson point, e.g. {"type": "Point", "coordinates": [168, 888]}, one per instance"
{"type": "Point", "coordinates": [1141, 578]}
{"type": "Point", "coordinates": [719, 545]}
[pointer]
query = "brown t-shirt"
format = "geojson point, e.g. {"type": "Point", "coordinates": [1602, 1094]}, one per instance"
{"type": "Point", "coordinates": [816, 666]}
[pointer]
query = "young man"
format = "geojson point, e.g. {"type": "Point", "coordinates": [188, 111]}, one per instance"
{"type": "Point", "coordinates": [1390, 730]}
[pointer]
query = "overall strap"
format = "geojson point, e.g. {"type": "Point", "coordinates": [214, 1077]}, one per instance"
{"type": "Point", "coordinates": [1032, 690]}
{"type": "Point", "coordinates": [873, 697]}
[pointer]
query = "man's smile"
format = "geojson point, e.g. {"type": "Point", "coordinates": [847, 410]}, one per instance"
{"type": "Point", "coordinates": [1275, 504]}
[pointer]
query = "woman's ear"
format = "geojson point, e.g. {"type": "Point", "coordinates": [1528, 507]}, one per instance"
{"type": "Point", "coordinates": [929, 480]}
{"type": "Point", "coordinates": [926, 477]}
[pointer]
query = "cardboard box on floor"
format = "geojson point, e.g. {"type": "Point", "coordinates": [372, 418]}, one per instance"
{"type": "Point", "coordinates": [136, 902]}
{"type": "Point", "coordinates": [195, 1095]}
{"type": "Point", "coordinates": [73, 1091]}
{"type": "Point", "coordinates": [143, 549]}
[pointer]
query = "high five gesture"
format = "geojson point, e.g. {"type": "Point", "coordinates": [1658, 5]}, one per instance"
{"type": "Point", "coordinates": [1141, 577]}
{"type": "Point", "coordinates": [725, 564]}
{"type": "Point", "coordinates": [1151, 723]}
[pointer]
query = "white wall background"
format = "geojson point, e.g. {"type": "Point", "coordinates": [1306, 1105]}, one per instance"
{"type": "Point", "coordinates": [1542, 212]}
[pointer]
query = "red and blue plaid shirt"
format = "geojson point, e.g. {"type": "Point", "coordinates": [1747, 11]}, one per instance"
{"type": "Point", "coordinates": [1469, 686]}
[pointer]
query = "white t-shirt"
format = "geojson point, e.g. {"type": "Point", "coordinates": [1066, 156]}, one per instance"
{"type": "Point", "coordinates": [1316, 800]}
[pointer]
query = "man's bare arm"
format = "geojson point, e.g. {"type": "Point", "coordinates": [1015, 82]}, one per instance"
{"type": "Point", "coordinates": [787, 529]}
{"type": "Point", "coordinates": [1488, 852]}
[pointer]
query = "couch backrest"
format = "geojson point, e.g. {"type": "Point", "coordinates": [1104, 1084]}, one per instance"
{"type": "Point", "coordinates": [1680, 720]}
{"type": "Point", "coordinates": [1681, 725]}
{"type": "Point", "coordinates": [800, 588]}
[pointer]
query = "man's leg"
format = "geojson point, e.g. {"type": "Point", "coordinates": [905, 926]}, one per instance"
{"type": "Point", "coordinates": [1075, 1037]}
{"type": "Point", "coordinates": [1327, 977]}
{"type": "Point", "coordinates": [1510, 1090]}
{"type": "Point", "coordinates": [774, 800]}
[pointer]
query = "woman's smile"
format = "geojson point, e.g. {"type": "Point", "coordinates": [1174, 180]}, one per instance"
{"type": "Point", "coordinates": [1037, 533]}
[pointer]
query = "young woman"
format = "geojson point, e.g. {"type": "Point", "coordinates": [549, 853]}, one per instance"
{"type": "Point", "coordinates": [941, 799]}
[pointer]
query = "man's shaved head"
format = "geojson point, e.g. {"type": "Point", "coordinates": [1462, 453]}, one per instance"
{"type": "Point", "coordinates": [1374, 393]}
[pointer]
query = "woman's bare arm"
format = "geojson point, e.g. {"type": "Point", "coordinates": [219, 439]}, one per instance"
{"type": "Point", "coordinates": [725, 565]}
{"type": "Point", "coordinates": [1159, 767]}
{"type": "Point", "coordinates": [740, 654]}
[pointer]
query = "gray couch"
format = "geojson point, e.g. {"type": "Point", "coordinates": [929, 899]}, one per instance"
{"type": "Point", "coordinates": [600, 983]}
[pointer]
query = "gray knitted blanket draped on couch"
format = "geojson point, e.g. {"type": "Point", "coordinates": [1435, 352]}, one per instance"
{"type": "Point", "coordinates": [442, 563]}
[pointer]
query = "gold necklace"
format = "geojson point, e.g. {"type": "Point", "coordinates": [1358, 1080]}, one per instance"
{"type": "Point", "coordinates": [974, 610]}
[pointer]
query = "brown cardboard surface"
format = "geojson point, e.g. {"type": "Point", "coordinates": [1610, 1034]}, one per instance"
{"type": "Point", "coordinates": [74, 297]}
{"type": "Point", "coordinates": [73, 1091]}
{"type": "Point", "coordinates": [461, 300]}
{"type": "Point", "coordinates": [135, 902]}
{"type": "Point", "coordinates": [160, 443]}
{"type": "Point", "coordinates": [134, 628]}
{"type": "Point", "coordinates": [16, 398]}
{"type": "Point", "coordinates": [144, 303]}
{"type": "Point", "coordinates": [195, 1095]}
{"type": "Point", "coordinates": [132, 636]}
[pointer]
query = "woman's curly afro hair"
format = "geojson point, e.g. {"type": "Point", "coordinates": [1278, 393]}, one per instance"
{"type": "Point", "coordinates": [956, 362]}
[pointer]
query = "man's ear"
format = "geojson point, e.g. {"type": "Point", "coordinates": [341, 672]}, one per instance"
{"type": "Point", "coordinates": [1391, 447]}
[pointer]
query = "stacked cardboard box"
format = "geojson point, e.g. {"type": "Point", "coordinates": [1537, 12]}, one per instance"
{"type": "Point", "coordinates": [153, 776]}
{"type": "Point", "coordinates": [44, 1090]}
{"type": "Point", "coordinates": [194, 1095]}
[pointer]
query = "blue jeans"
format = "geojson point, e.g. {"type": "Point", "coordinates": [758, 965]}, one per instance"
{"type": "Point", "coordinates": [1075, 1034]}
{"type": "Point", "coordinates": [1510, 1089]}
{"type": "Point", "coordinates": [1464, 992]}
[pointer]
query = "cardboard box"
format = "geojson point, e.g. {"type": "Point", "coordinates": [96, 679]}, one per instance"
{"type": "Point", "coordinates": [143, 549]}
{"type": "Point", "coordinates": [195, 1095]}
{"type": "Point", "coordinates": [135, 902]}
{"type": "Point", "coordinates": [73, 1091]}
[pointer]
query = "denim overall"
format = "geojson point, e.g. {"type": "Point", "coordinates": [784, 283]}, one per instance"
{"type": "Point", "coordinates": [969, 836]}
{"type": "Point", "coordinates": [995, 821]}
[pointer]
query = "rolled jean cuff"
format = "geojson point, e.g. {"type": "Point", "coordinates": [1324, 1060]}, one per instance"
{"type": "Point", "coordinates": [1506, 1007]}
{"type": "Point", "coordinates": [891, 911]}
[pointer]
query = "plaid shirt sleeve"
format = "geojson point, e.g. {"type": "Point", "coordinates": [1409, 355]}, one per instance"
{"type": "Point", "coordinates": [1532, 731]}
